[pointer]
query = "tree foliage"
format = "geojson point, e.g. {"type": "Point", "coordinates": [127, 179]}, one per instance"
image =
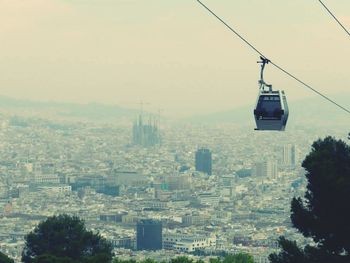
{"type": "Point", "coordinates": [63, 237]}
{"type": "Point", "coordinates": [5, 259]}
{"type": "Point", "coordinates": [46, 258]}
{"type": "Point", "coordinates": [324, 214]}
{"type": "Point", "coordinates": [238, 258]}
{"type": "Point", "coordinates": [181, 260]}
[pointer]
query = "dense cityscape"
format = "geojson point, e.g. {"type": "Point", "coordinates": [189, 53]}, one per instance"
{"type": "Point", "coordinates": [155, 190]}
{"type": "Point", "coordinates": [174, 131]}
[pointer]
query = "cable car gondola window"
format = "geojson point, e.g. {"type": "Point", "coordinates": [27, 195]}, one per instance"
{"type": "Point", "coordinates": [269, 106]}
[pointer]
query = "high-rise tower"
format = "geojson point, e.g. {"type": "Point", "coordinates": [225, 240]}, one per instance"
{"type": "Point", "coordinates": [265, 169]}
{"type": "Point", "coordinates": [204, 161]}
{"type": "Point", "coordinates": [289, 155]}
{"type": "Point", "coordinates": [149, 235]}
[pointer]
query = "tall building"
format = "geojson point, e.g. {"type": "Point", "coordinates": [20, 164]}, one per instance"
{"type": "Point", "coordinates": [289, 155]}
{"type": "Point", "coordinates": [149, 235]}
{"type": "Point", "coordinates": [267, 168]}
{"type": "Point", "coordinates": [146, 135]}
{"type": "Point", "coordinates": [203, 161]}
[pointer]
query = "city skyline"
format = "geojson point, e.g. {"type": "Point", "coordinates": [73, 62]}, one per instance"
{"type": "Point", "coordinates": [154, 127]}
{"type": "Point", "coordinates": [92, 170]}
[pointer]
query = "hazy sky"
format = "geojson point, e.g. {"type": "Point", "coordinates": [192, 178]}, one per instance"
{"type": "Point", "coordinates": [170, 53]}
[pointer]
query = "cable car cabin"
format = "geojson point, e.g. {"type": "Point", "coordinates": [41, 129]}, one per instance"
{"type": "Point", "coordinates": [271, 111]}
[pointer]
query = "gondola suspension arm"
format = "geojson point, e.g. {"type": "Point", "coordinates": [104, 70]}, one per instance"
{"type": "Point", "coordinates": [262, 82]}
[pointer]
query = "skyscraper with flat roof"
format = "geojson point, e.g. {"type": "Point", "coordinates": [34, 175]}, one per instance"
{"type": "Point", "coordinates": [203, 161]}
{"type": "Point", "coordinates": [149, 235]}
{"type": "Point", "coordinates": [267, 168]}
{"type": "Point", "coordinates": [289, 155]}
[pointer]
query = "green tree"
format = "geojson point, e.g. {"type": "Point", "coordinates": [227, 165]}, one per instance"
{"type": "Point", "coordinates": [5, 259]}
{"type": "Point", "coordinates": [118, 260]}
{"type": "Point", "coordinates": [181, 260]}
{"type": "Point", "coordinates": [214, 260]}
{"type": "Point", "coordinates": [52, 259]}
{"type": "Point", "coordinates": [238, 258]}
{"type": "Point", "coordinates": [324, 213]}
{"type": "Point", "coordinates": [62, 237]}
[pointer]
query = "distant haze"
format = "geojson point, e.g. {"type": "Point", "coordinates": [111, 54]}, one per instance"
{"type": "Point", "coordinates": [169, 53]}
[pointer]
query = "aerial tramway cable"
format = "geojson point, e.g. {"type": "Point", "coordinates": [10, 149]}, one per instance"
{"type": "Point", "coordinates": [272, 63]}
{"type": "Point", "coordinates": [335, 18]}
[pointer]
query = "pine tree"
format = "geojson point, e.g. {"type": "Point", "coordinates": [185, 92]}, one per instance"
{"type": "Point", "coordinates": [324, 213]}
{"type": "Point", "coordinates": [5, 259]}
{"type": "Point", "coordinates": [61, 237]}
